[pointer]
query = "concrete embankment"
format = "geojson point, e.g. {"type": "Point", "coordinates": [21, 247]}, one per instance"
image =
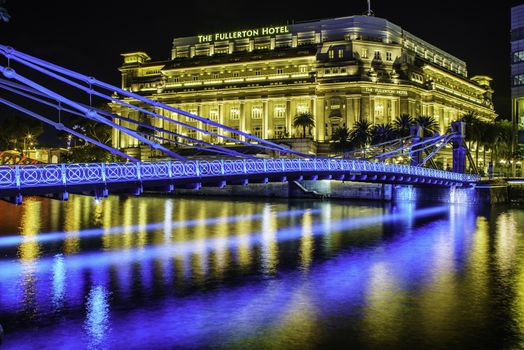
{"type": "Point", "coordinates": [485, 193]}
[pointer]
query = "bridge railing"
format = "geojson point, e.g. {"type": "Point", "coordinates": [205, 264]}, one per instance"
{"type": "Point", "coordinates": [21, 176]}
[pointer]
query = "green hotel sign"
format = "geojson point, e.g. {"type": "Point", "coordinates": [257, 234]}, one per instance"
{"type": "Point", "coordinates": [240, 34]}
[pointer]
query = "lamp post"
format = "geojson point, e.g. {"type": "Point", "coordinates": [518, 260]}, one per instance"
{"type": "Point", "coordinates": [28, 136]}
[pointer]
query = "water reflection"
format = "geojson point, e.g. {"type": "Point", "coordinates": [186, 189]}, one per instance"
{"type": "Point", "coordinates": [97, 318]}
{"type": "Point", "coordinates": [175, 272]}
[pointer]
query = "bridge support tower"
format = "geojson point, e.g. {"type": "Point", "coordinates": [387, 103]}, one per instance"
{"type": "Point", "coordinates": [459, 149]}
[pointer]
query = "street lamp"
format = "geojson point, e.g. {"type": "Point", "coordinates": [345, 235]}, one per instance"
{"type": "Point", "coordinates": [28, 136]}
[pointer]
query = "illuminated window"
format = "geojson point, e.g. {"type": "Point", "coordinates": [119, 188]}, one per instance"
{"type": "Point", "coordinates": [192, 111]}
{"type": "Point", "coordinates": [518, 56]}
{"type": "Point", "coordinates": [388, 56]}
{"type": "Point", "coordinates": [331, 54]}
{"type": "Point", "coordinates": [280, 111]}
{"type": "Point", "coordinates": [302, 108]}
{"type": "Point", "coordinates": [213, 114]}
{"type": "Point", "coordinates": [364, 53]}
{"type": "Point", "coordinates": [257, 131]}
{"type": "Point", "coordinates": [192, 133]}
{"type": "Point", "coordinates": [280, 131]}
{"type": "Point", "coordinates": [234, 113]}
{"type": "Point", "coordinates": [379, 109]}
{"type": "Point", "coordinates": [340, 53]}
{"type": "Point", "coordinates": [518, 80]}
{"type": "Point", "coordinates": [377, 55]}
{"type": "Point", "coordinates": [256, 112]}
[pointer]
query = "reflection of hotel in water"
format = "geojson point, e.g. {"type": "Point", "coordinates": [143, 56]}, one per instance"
{"type": "Point", "coordinates": [341, 70]}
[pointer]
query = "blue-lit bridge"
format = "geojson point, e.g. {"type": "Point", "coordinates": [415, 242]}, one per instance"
{"type": "Point", "coordinates": [275, 163]}
{"type": "Point", "coordinates": [100, 179]}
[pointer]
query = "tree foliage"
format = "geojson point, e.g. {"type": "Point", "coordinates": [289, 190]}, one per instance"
{"type": "Point", "coordinates": [360, 134]}
{"type": "Point", "coordinates": [341, 139]}
{"type": "Point", "coordinates": [16, 127]}
{"type": "Point", "coordinates": [305, 121]}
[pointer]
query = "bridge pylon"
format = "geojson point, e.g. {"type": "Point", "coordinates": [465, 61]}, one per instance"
{"type": "Point", "coordinates": [459, 149]}
{"type": "Point", "coordinates": [417, 133]}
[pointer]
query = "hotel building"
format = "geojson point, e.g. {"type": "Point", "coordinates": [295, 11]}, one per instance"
{"type": "Point", "coordinates": [340, 70]}
{"type": "Point", "coordinates": [517, 68]}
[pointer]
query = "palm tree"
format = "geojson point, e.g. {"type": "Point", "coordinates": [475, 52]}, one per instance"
{"type": "Point", "coordinates": [381, 133]}
{"type": "Point", "coordinates": [304, 120]}
{"type": "Point", "coordinates": [489, 138]}
{"type": "Point", "coordinates": [341, 136]}
{"type": "Point", "coordinates": [360, 134]}
{"type": "Point", "coordinates": [428, 124]}
{"type": "Point", "coordinates": [403, 125]}
{"type": "Point", "coordinates": [474, 132]}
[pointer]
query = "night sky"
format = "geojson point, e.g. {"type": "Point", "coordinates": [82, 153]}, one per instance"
{"type": "Point", "coordinates": [89, 36]}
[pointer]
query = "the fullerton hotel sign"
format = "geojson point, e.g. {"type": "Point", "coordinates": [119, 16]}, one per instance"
{"type": "Point", "coordinates": [240, 34]}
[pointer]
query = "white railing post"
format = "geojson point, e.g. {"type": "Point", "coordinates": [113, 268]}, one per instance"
{"type": "Point", "coordinates": [17, 176]}
{"type": "Point", "coordinates": [64, 176]}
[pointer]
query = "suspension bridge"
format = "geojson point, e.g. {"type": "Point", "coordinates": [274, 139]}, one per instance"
{"type": "Point", "coordinates": [169, 129]}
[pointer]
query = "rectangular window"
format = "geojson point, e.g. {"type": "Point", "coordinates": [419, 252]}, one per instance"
{"type": "Point", "coordinates": [518, 80]}
{"type": "Point", "coordinates": [257, 72]}
{"type": "Point", "coordinates": [213, 114]}
{"type": "Point", "coordinates": [302, 108]}
{"type": "Point", "coordinates": [257, 131]}
{"type": "Point", "coordinates": [331, 54]}
{"type": "Point", "coordinates": [256, 112]}
{"type": "Point", "coordinates": [280, 71]}
{"type": "Point", "coordinates": [340, 53]}
{"type": "Point", "coordinates": [192, 133]}
{"type": "Point", "coordinates": [379, 110]}
{"type": "Point", "coordinates": [280, 131]}
{"type": "Point", "coordinates": [192, 111]}
{"type": "Point", "coordinates": [364, 53]}
{"type": "Point", "coordinates": [377, 55]}
{"type": "Point", "coordinates": [280, 111]}
{"type": "Point", "coordinates": [518, 56]}
{"type": "Point", "coordinates": [388, 56]}
{"type": "Point", "coordinates": [234, 113]}
{"type": "Point", "coordinates": [302, 69]}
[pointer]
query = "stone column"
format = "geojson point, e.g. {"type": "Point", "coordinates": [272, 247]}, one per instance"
{"type": "Point", "coordinates": [313, 108]}
{"type": "Point", "coordinates": [265, 122]}
{"type": "Point", "coordinates": [289, 117]}
{"type": "Point", "coordinates": [320, 119]}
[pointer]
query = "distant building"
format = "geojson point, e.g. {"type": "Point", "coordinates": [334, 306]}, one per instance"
{"type": "Point", "coordinates": [517, 68]}
{"type": "Point", "coordinates": [341, 70]}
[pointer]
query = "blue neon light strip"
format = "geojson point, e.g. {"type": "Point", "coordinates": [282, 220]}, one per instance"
{"type": "Point", "coordinates": [14, 240]}
{"type": "Point", "coordinates": [169, 250]}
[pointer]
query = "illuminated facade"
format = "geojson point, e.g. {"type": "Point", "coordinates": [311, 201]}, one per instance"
{"type": "Point", "coordinates": [340, 70]}
{"type": "Point", "coordinates": [517, 67]}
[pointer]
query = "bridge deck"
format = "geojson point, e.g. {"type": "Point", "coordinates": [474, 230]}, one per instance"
{"type": "Point", "coordinates": [106, 177]}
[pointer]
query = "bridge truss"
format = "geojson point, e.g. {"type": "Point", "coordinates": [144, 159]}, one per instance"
{"type": "Point", "coordinates": [369, 164]}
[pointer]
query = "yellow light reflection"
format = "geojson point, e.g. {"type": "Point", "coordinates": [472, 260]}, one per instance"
{"type": "Point", "coordinates": [306, 241]}
{"type": "Point", "coordinates": [72, 224]}
{"type": "Point", "coordinates": [383, 313]}
{"type": "Point", "coordinates": [269, 241]}
{"type": "Point", "coordinates": [29, 251]}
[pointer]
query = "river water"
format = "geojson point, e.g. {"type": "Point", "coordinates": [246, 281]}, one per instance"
{"type": "Point", "coordinates": [193, 273]}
